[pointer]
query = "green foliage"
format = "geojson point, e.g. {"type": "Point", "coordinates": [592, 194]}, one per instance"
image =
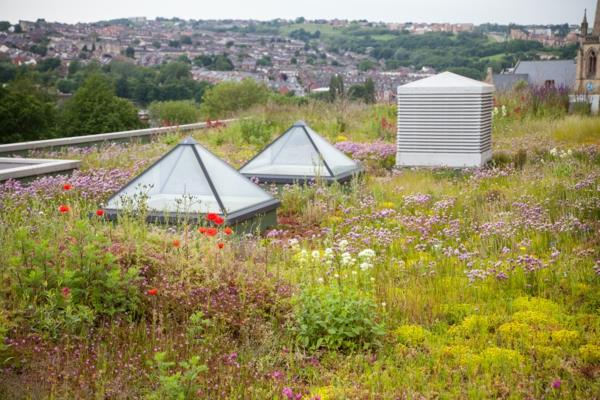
{"type": "Point", "coordinates": [581, 108]}
{"type": "Point", "coordinates": [48, 64]}
{"type": "Point", "coordinates": [95, 108]}
{"type": "Point", "coordinates": [341, 319]}
{"type": "Point", "coordinates": [365, 65]}
{"type": "Point", "coordinates": [130, 52]}
{"type": "Point", "coordinates": [88, 283]}
{"type": "Point", "coordinates": [227, 98]}
{"type": "Point", "coordinates": [364, 92]}
{"type": "Point", "coordinates": [219, 62]}
{"type": "Point", "coordinates": [180, 385]}
{"type": "Point", "coordinates": [174, 112]}
{"type": "Point", "coordinates": [4, 326]}
{"type": "Point", "coordinates": [255, 131]}
{"type": "Point", "coordinates": [264, 61]}
{"type": "Point", "coordinates": [336, 87]}
{"type": "Point", "coordinates": [26, 112]}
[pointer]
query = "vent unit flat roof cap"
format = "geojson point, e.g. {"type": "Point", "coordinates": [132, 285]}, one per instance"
{"type": "Point", "coordinates": [446, 83]}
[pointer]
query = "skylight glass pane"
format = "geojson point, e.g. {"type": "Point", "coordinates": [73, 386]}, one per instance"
{"type": "Point", "coordinates": [235, 190]}
{"type": "Point", "coordinates": [175, 184]}
{"type": "Point", "coordinates": [337, 161]}
{"type": "Point", "coordinates": [293, 154]}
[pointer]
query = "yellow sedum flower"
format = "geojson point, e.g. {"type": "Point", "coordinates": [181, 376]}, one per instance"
{"type": "Point", "coordinates": [535, 318]}
{"type": "Point", "coordinates": [565, 338]}
{"type": "Point", "coordinates": [341, 138]}
{"type": "Point", "coordinates": [515, 332]}
{"type": "Point", "coordinates": [386, 205]}
{"type": "Point", "coordinates": [590, 353]}
{"type": "Point", "coordinates": [411, 335]}
{"type": "Point", "coordinates": [472, 326]}
{"type": "Point", "coordinates": [497, 359]}
{"type": "Point", "coordinates": [539, 304]}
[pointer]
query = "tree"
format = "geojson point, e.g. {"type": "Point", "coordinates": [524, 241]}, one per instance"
{"type": "Point", "coordinates": [186, 40]}
{"type": "Point", "coordinates": [264, 61]}
{"type": "Point", "coordinates": [369, 91]}
{"type": "Point", "coordinates": [365, 65]}
{"type": "Point", "coordinates": [39, 49]}
{"type": "Point", "coordinates": [94, 108]}
{"type": "Point", "coordinates": [130, 52]}
{"type": "Point", "coordinates": [66, 86]}
{"type": "Point", "coordinates": [8, 72]}
{"type": "Point", "coordinates": [174, 112]}
{"type": "Point", "coordinates": [74, 67]}
{"type": "Point", "coordinates": [18, 28]}
{"type": "Point", "coordinates": [4, 25]}
{"type": "Point", "coordinates": [336, 88]}
{"type": "Point", "coordinates": [48, 64]}
{"type": "Point", "coordinates": [26, 112]}
{"type": "Point", "coordinates": [228, 97]}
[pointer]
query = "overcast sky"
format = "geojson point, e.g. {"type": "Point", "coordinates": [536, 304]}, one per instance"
{"type": "Point", "coordinates": [477, 11]}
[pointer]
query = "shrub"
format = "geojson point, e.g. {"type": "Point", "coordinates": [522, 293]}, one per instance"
{"type": "Point", "coordinates": [174, 112]}
{"type": "Point", "coordinates": [255, 131]}
{"type": "Point", "coordinates": [229, 97]}
{"type": "Point", "coordinates": [88, 283]}
{"type": "Point", "coordinates": [336, 319]}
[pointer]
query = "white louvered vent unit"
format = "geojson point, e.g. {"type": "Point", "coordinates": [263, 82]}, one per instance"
{"type": "Point", "coordinates": [445, 121]}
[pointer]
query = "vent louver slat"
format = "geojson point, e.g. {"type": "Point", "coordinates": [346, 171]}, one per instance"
{"type": "Point", "coordinates": [445, 120]}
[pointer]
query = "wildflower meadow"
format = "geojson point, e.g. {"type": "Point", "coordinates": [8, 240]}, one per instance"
{"type": "Point", "coordinates": [401, 284]}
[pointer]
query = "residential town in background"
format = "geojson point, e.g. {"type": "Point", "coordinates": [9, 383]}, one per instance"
{"type": "Point", "coordinates": [284, 63]}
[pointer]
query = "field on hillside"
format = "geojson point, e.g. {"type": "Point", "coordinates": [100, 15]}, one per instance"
{"type": "Point", "coordinates": [405, 284]}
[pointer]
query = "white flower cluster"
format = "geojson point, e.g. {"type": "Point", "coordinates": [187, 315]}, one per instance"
{"type": "Point", "coordinates": [561, 153]}
{"type": "Point", "coordinates": [366, 257]}
{"type": "Point", "coordinates": [339, 253]}
{"type": "Point", "coordinates": [503, 110]}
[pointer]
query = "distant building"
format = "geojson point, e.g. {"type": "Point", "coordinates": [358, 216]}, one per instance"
{"type": "Point", "coordinates": [550, 73]}
{"type": "Point", "coordinates": [588, 70]}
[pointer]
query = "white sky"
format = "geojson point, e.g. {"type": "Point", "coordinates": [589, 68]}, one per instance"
{"type": "Point", "coordinates": [477, 11]}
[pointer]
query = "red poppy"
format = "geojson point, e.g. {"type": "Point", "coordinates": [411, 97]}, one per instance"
{"type": "Point", "coordinates": [63, 209]}
{"type": "Point", "coordinates": [152, 292]}
{"type": "Point", "coordinates": [176, 243]}
{"type": "Point", "coordinates": [66, 292]}
{"type": "Point", "coordinates": [67, 186]}
{"type": "Point", "coordinates": [218, 220]}
{"type": "Point", "coordinates": [211, 232]}
{"type": "Point", "coordinates": [211, 216]}
{"type": "Point", "coordinates": [202, 230]}
{"type": "Point", "coordinates": [228, 231]}
{"type": "Point", "coordinates": [100, 213]}
{"type": "Point", "coordinates": [220, 245]}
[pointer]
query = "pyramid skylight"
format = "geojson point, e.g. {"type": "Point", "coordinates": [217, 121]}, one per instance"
{"type": "Point", "coordinates": [189, 179]}
{"type": "Point", "coordinates": [300, 154]}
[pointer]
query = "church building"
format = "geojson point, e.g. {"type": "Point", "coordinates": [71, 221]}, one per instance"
{"type": "Point", "coordinates": [588, 67]}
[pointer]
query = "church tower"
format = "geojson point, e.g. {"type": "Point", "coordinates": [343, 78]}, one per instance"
{"type": "Point", "coordinates": [588, 68]}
